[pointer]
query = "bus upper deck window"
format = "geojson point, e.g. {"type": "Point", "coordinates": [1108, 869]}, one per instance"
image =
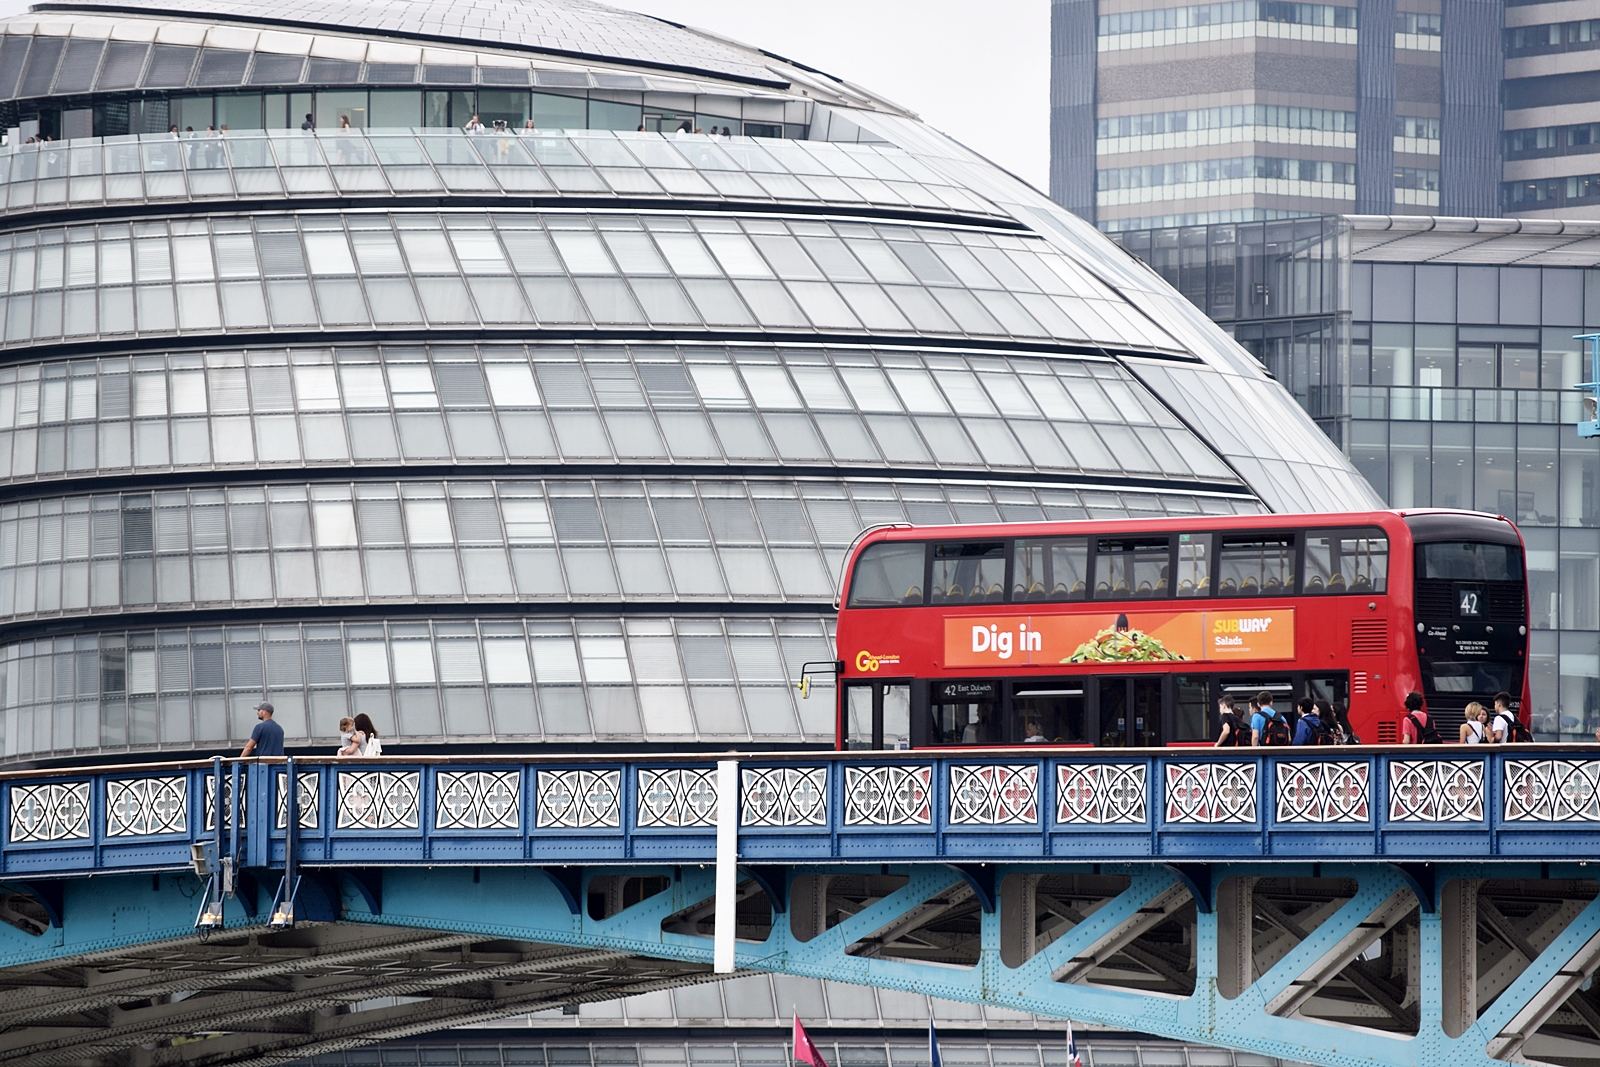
{"type": "Point", "coordinates": [1256, 566]}
{"type": "Point", "coordinates": [968, 572]}
{"type": "Point", "coordinates": [1194, 565]}
{"type": "Point", "coordinates": [1346, 561]}
{"type": "Point", "coordinates": [1132, 568]}
{"type": "Point", "coordinates": [1050, 570]}
{"type": "Point", "coordinates": [888, 573]}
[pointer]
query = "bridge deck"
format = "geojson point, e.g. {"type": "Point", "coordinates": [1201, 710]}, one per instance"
{"type": "Point", "coordinates": [1530, 802]}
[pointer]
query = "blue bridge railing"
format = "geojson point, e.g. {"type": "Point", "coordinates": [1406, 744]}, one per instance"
{"type": "Point", "coordinates": [1526, 802]}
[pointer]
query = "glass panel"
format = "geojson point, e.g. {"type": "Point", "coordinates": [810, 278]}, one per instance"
{"type": "Point", "coordinates": [1050, 570]}
{"type": "Point", "coordinates": [1346, 561]}
{"type": "Point", "coordinates": [968, 572]}
{"type": "Point", "coordinates": [1256, 566]}
{"type": "Point", "coordinates": [887, 573]}
{"type": "Point", "coordinates": [966, 713]}
{"type": "Point", "coordinates": [1131, 568]}
{"type": "Point", "coordinates": [896, 716]}
{"type": "Point", "coordinates": [1194, 564]}
{"type": "Point", "coordinates": [1048, 712]}
{"type": "Point", "coordinates": [858, 716]}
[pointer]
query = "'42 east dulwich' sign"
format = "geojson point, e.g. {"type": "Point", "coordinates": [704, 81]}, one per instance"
{"type": "Point", "coordinates": [1117, 637]}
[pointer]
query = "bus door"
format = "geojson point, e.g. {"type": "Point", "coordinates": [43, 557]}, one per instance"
{"type": "Point", "coordinates": [877, 715]}
{"type": "Point", "coordinates": [1130, 710]}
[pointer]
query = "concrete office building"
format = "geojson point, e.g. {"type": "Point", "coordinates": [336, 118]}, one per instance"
{"type": "Point", "coordinates": [1440, 354]}
{"type": "Point", "coordinates": [1258, 109]}
{"type": "Point", "coordinates": [1552, 111]}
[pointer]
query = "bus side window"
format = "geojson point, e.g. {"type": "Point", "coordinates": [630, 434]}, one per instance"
{"type": "Point", "coordinates": [1256, 566]}
{"type": "Point", "coordinates": [1050, 570]}
{"type": "Point", "coordinates": [968, 572]}
{"type": "Point", "coordinates": [1194, 564]}
{"type": "Point", "coordinates": [1346, 561]}
{"type": "Point", "coordinates": [888, 573]}
{"type": "Point", "coordinates": [1131, 568]}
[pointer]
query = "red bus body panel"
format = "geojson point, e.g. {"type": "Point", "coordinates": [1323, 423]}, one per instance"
{"type": "Point", "coordinates": [881, 643]}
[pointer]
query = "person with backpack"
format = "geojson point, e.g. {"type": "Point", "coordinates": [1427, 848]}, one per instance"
{"type": "Point", "coordinates": [1507, 725]}
{"type": "Point", "coordinates": [1417, 727]}
{"type": "Point", "coordinates": [1313, 729]}
{"type": "Point", "coordinates": [1233, 733]}
{"type": "Point", "coordinates": [1267, 726]}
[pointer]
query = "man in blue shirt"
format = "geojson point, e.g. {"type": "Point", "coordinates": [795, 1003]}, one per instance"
{"type": "Point", "coordinates": [267, 738]}
{"type": "Point", "coordinates": [1267, 727]}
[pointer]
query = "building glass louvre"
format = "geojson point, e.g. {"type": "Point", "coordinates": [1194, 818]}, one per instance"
{"type": "Point", "coordinates": [1441, 354]}
{"type": "Point", "coordinates": [569, 447]}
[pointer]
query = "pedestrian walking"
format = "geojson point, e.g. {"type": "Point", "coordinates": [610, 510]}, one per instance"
{"type": "Point", "coordinates": [371, 744]}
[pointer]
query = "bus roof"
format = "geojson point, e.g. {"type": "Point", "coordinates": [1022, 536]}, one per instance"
{"type": "Point", "coordinates": [1392, 519]}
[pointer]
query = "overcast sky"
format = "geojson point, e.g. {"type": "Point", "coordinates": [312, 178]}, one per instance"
{"type": "Point", "coordinates": [979, 72]}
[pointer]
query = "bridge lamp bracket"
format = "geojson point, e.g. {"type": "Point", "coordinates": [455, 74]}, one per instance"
{"type": "Point", "coordinates": [281, 914]}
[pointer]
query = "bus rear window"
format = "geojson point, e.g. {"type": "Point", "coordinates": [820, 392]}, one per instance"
{"type": "Point", "coordinates": [1469, 561]}
{"type": "Point", "coordinates": [1346, 561]}
{"type": "Point", "coordinates": [887, 573]}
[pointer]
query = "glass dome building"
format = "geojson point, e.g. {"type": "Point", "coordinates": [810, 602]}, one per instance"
{"type": "Point", "coordinates": [551, 431]}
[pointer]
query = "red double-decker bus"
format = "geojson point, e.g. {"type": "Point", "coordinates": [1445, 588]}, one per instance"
{"type": "Point", "coordinates": [1126, 633]}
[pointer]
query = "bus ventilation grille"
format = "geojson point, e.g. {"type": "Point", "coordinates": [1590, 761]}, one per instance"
{"type": "Point", "coordinates": [1436, 599]}
{"type": "Point", "coordinates": [1358, 681]}
{"type": "Point", "coordinates": [1506, 603]}
{"type": "Point", "coordinates": [1369, 637]}
{"type": "Point", "coordinates": [1388, 733]}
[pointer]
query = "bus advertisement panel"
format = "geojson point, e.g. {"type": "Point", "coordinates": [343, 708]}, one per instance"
{"type": "Point", "coordinates": [1131, 637]}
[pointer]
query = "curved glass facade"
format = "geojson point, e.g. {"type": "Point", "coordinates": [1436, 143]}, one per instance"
{"type": "Point", "coordinates": [553, 437]}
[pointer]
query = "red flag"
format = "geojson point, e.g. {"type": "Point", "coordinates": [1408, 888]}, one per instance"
{"type": "Point", "coordinates": [804, 1049]}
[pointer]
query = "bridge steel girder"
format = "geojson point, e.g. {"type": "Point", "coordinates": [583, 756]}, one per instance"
{"type": "Point", "coordinates": [429, 915]}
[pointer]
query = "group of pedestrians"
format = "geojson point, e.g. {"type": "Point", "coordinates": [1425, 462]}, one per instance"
{"type": "Point", "coordinates": [1309, 722]}
{"type": "Point", "coordinates": [1481, 726]}
{"type": "Point", "coordinates": [358, 737]}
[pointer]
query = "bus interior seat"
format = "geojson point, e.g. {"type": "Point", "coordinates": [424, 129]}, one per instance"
{"type": "Point", "coordinates": [1249, 587]}
{"type": "Point", "coordinates": [1060, 591]}
{"type": "Point", "coordinates": [1121, 587]}
{"type": "Point", "coordinates": [1228, 588]}
{"type": "Point", "coordinates": [913, 595]}
{"type": "Point", "coordinates": [1186, 588]}
{"type": "Point", "coordinates": [1205, 583]}
{"type": "Point", "coordinates": [1078, 589]}
{"type": "Point", "coordinates": [1144, 586]}
{"type": "Point", "coordinates": [996, 592]}
{"type": "Point", "coordinates": [1362, 583]}
{"type": "Point", "coordinates": [1037, 591]}
{"type": "Point", "coordinates": [1162, 584]}
{"type": "Point", "coordinates": [1102, 589]}
{"type": "Point", "coordinates": [1315, 584]}
{"type": "Point", "coordinates": [1274, 583]}
{"type": "Point", "coordinates": [1336, 583]}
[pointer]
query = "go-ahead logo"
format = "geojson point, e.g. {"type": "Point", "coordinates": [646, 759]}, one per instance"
{"type": "Point", "coordinates": [867, 661]}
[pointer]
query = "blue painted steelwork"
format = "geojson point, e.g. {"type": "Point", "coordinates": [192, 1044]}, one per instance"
{"type": "Point", "coordinates": [529, 851]}
{"type": "Point", "coordinates": [1201, 806]}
